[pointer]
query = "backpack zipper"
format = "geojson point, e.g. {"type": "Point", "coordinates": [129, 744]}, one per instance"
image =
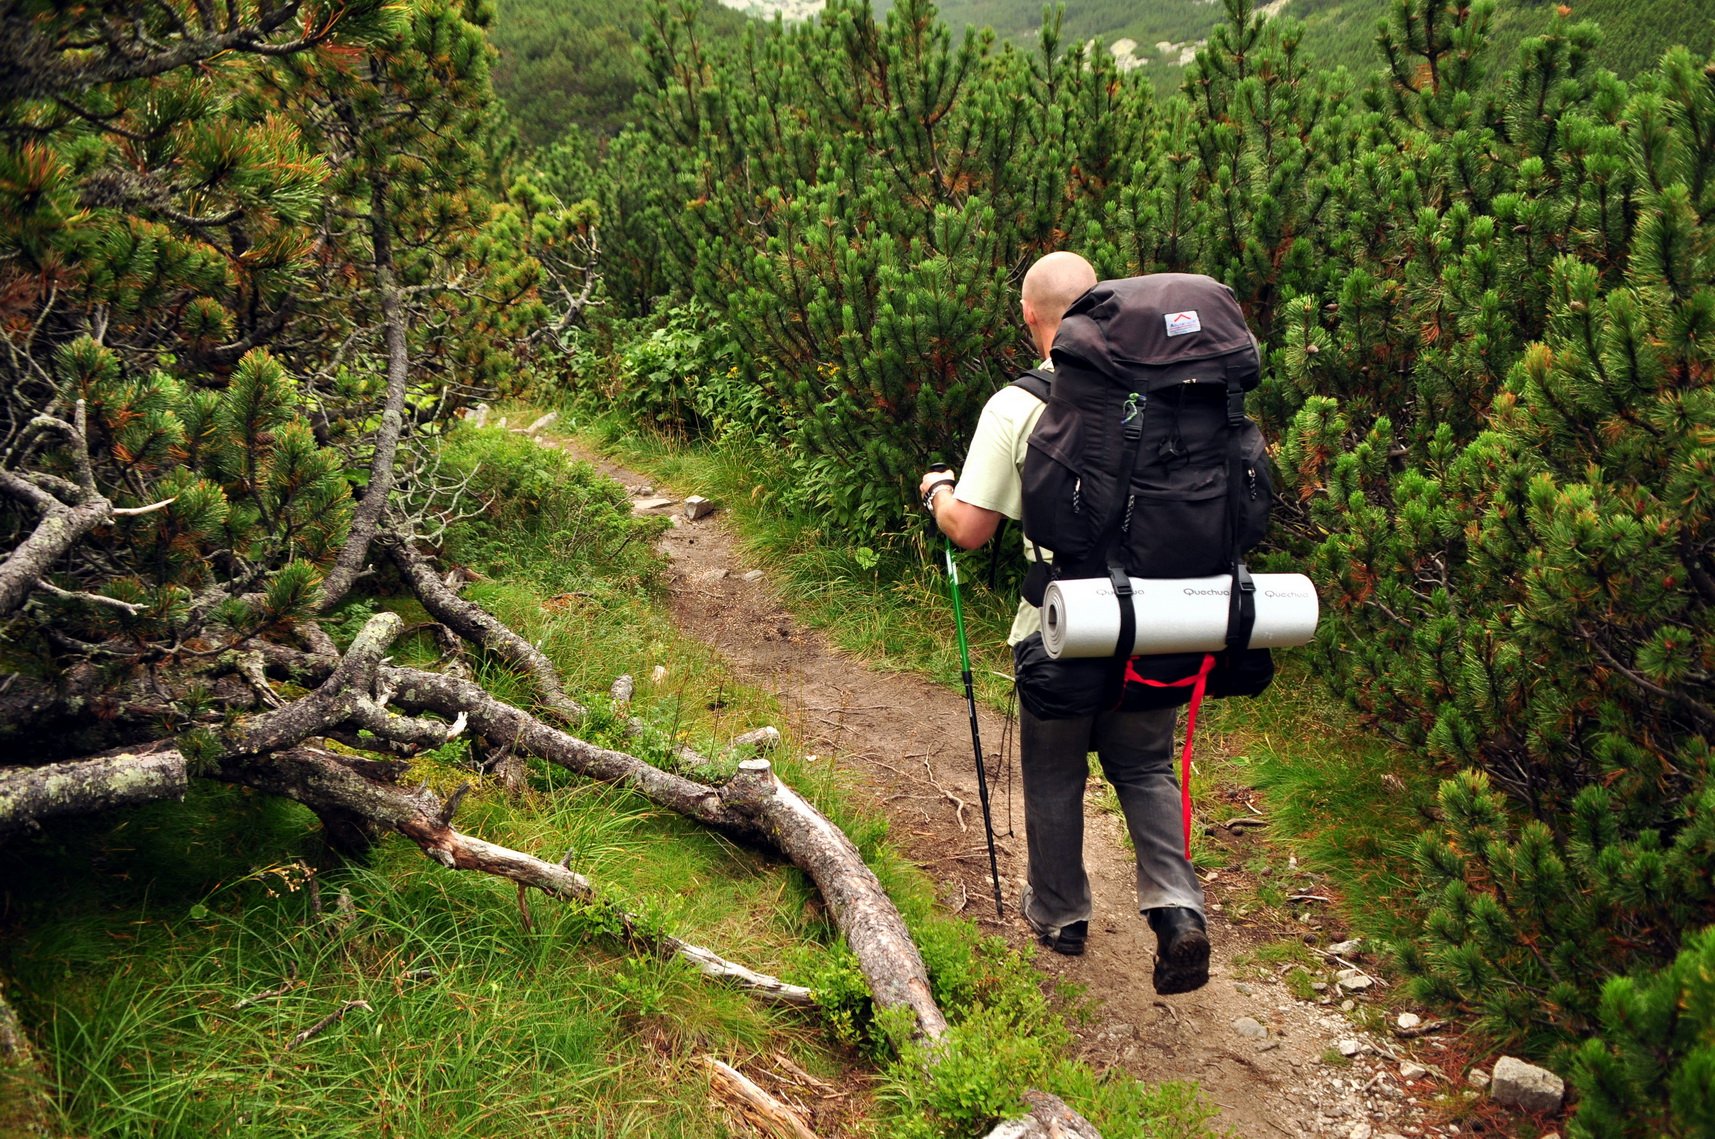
{"type": "Point", "coordinates": [1250, 480]}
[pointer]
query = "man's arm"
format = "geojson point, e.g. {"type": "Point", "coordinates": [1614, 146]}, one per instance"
{"type": "Point", "coordinates": [968, 526]}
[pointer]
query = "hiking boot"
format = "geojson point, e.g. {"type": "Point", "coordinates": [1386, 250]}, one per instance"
{"type": "Point", "coordinates": [1070, 939]}
{"type": "Point", "coordinates": [1182, 950]}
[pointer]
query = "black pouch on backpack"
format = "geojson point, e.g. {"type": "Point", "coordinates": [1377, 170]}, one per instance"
{"type": "Point", "coordinates": [1063, 689]}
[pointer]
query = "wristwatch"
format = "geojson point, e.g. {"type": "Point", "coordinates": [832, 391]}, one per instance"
{"type": "Point", "coordinates": [929, 494]}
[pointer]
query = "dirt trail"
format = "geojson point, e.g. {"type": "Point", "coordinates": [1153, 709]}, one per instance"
{"type": "Point", "coordinates": [909, 741]}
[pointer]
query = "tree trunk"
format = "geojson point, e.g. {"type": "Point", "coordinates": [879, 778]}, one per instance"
{"type": "Point", "coordinates": [366, 519]}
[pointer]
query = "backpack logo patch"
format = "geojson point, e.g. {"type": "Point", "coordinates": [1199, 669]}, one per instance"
{"type": "Point", "coordinates": [1182, 323]}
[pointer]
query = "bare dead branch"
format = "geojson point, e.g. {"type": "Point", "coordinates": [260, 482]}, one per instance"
{"type": "Point", "coordinates": [754, 1104]}
{"type": "Point", "coordinates": [128, 776]}
{"type": "Point", "coordinates": [327, 1022]}
{"type": "Point", "coordinates": [324, 781]}
{"type": "Point", "coordinates": [476, 624]}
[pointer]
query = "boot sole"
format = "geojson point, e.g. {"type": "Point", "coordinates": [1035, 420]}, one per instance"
{"type": "Point", "coordinates": [1184, 967]}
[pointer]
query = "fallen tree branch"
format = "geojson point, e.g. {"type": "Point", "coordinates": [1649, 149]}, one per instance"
{"type": "Point", "coordinates": [324, 781]}
{"type": "Point", "coordinates": [327, 1022]}
{"type": "Point", "coordinates": [1049, 1118]}
{"type": "Point", "coordinates": [476, 624]}
{"type": "Point", "coordinates": [120, 778]}
{"type": "Point", "coordinates": [752, 805]}
{"type": "Point", "coordinates": [755, 1105]}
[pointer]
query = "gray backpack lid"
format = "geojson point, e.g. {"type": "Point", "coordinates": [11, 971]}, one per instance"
{"type": "Point", "coordinates": [1155, 321]}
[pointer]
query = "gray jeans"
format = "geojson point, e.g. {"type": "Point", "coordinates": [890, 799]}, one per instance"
{"type": "Point", "coordinates": [1136, 754]}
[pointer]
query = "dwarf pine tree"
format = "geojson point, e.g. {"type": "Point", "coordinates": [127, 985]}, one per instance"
{"type": "Point", "coordinates": [199, 265]}
{"type": "Point", "coordinates": [856, 197]}
{"type": "Point", "coordinates": [1535, 601]}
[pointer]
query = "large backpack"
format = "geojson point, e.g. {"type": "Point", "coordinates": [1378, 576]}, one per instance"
{"type": "Point", "coordinates": [1144, 464]}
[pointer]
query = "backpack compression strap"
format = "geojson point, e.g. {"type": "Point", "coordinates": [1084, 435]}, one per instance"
{"type": "Point", "coordinates": [1241, 608]}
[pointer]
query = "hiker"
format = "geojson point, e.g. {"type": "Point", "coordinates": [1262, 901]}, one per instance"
{"type": "Point", "coordinates": [1135, 748]}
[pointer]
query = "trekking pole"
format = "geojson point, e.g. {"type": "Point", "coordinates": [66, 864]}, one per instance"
{"type": "Point", "coordinates": [970, 702]}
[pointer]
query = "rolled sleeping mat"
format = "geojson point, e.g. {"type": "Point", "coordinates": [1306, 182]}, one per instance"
{"type": "Point", "coordinates": [1081, 616]}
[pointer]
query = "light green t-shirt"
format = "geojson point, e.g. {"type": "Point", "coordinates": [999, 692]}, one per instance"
{"type": "Point", "coordinates": [993, 475]}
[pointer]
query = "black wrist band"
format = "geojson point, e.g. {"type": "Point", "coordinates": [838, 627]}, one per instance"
{"type": "Point", "coordinates": [929, 493]}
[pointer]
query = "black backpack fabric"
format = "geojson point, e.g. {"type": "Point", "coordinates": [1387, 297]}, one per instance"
{"type": "Point", "coordinates": [1143, 464]}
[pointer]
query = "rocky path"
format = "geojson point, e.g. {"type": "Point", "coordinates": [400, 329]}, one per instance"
{"type": "Point", "coordinates": [1269, 1063]}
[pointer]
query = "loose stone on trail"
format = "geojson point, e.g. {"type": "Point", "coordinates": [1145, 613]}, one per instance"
{"type": "Point", "coordinates": [1249, 1026]}
{"type": "Point", "coordinates": [696, 506]}
{"type": "Point", "coordinates": [1525, 1086]}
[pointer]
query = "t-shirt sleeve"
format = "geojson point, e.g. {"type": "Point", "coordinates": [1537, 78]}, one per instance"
{"type": "Point", "coordinates": [990, 478]}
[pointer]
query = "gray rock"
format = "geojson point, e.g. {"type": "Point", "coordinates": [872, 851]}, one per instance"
{"type": "Point", "coordinates": [1411, 1071]}
{"type": "Point", "coordinates": [1353, 980]}
{"type": "Point", "coordinates": [1477, 1078]}
{"type": "Point", "coordinates": [622, 689]}
{"type": "Point", "coordinates": [1346, 948]}
{"type": "Point", "coordinates": [644, 505]}
{"type": "Point", "coordinates": [753, 575]}
{"type": "Point", "coordinates": [1361, 1131]}
{"type": "Point", "coordinates": [1408, 1020]}
{"type": "Point", "coordinates": [696, 506]}
{"type": "Point", "coordinates": [1526, 1086]}
{"type": "Point", "coordinates": [1249, 1026]}
{"type": "Point", "coordinates": [1243, 989]}
{"type": "Point", "coordinates": [1349, 1047]}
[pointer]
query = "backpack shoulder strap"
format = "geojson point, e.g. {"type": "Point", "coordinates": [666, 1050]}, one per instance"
{"type": "Point", "coordinates": [1037, 382]}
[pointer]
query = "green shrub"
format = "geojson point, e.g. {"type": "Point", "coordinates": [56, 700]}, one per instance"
{"type": "Point", "coordinates": [1652, 1071]}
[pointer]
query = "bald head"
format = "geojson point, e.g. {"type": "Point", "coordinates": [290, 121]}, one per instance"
{"type": "Point", "coordinates": [1050, 287]}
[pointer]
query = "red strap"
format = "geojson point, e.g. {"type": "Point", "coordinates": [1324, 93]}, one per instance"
{"type": "Point", "coordinates": [1199, 683]}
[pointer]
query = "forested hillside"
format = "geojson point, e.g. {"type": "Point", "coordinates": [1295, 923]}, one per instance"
{"type": "Point", "coordinates": [576, 63]}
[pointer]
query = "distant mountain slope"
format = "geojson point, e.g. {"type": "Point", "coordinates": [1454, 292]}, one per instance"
{"type": "Point", "coordinates": [1634, 32]}
{"type": "Point", "coordinates": [566, 62]}
{"type": "Point", "coordinates": [575, 61]}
